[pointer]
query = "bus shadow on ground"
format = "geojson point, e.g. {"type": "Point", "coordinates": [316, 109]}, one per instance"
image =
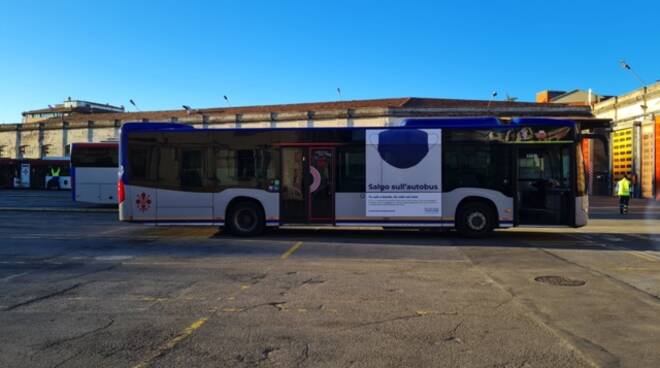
{"type": "Point", "coordinates": [446, 238]}
{"type": "Point", "coordinates": [198, 242]}
{"type": "Point", "coordinates": [626, 217]}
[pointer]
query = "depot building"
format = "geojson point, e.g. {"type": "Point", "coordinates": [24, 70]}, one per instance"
{"type": "Point", "coordinates": [47, 133]}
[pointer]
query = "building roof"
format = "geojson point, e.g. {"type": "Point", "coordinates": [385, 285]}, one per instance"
{"type": "Point", "coordinates": [79, 106]}
{"type": "Point", "coordinates": [402, 104]}
{"type": "Point", "coordinates": [54, 109]}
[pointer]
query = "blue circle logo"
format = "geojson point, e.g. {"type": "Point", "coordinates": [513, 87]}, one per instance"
{"type": "Point", "coordinates": [403, 148]}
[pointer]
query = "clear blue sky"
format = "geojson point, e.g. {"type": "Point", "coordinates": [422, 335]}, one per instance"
{"type": "Point", "coordinates": [164, 54]}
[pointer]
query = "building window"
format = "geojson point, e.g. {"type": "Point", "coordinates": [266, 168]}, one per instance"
{"type": "Point", "coordinates": [2, 151]}
{"type": "Point", "coordinates": [45, 150]}
{"type": "Point", "coordinates": [21, 151]}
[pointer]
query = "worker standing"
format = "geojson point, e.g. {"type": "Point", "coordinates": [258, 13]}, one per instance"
{"type": "Point", "coordinates": [54, 181]}
{"type": "Point", "coordinates": [623, 191]}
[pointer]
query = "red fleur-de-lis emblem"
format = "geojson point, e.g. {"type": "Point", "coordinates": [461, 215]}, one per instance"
{"type": "Point", "coordinates": [143, 202]}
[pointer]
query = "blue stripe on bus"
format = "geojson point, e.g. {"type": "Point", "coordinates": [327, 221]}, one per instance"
{"type": "Point", "coordinates": [191, 220]}
{"type": "Point", "coordinates": [275, 223]}
{"type": "Point", "coordinates": [178, 221]}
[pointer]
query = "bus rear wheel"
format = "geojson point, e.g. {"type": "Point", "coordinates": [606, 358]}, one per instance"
{"type": "Point", "coordinates": [246, 218]}
{"type": "Point", "coordinates": [475, 220]}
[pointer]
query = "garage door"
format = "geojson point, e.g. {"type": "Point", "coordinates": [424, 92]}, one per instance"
{"type": "Point", "coordinates": [648, 162]}
{"type": "Point", "coordinates": [622, 143]}
{"type": "Point", "coordinates": [657, 157]}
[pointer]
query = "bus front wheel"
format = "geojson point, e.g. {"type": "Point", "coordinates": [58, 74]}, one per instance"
{"type": "Point", "coordinates": [475, 220]}
{"type": "Point", "coordinates": [246, 218]}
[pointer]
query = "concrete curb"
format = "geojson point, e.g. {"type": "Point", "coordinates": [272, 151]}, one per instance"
{"type": "Point", "coordinates": [55, 209]}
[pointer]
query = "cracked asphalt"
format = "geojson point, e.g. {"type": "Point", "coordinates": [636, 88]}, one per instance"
{"type": "Point", "coordinates": [78, 289]}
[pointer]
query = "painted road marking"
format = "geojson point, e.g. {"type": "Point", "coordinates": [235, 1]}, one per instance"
{"type": "Point", "coordinates": [169, 345]}
{"type": "Point", "coordinates": [636, 253]}
{"type": "Point", "coordinates": [293, 248]}
{"type": "Point", "coordinates": [637, 269]}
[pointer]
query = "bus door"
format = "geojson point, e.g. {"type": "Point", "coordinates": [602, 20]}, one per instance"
{"type": "Point", "coordinates": [308, 188]}
{"type": "Point", "coordinates": [544, 191]}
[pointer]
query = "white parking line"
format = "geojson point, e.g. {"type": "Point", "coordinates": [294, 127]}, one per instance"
{"type": "Point", "coordinates": [11, 277]}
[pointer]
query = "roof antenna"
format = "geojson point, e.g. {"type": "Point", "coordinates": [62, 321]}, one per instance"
{"type": "Point", "coordinates": [492, 96]}
{"type": "Point", "coordinates": [227, 99]}
{"type": "Point", "coordinates": [134, 105]}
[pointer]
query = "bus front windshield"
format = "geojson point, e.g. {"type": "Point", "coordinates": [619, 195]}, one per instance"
{"type": "Point", "coordinates": [94, 156]}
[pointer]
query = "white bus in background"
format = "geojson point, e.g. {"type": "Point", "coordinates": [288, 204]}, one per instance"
{"type": "Point", "coordinates": [472, 174]}
{"type": "Point", "coordinates": [94, 172]}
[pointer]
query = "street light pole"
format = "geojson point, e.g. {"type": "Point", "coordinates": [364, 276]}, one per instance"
{"type": "Point", "coordinates": [637, 132]}
{"type": "Point", "coordinates": [190, 110]}
{"type": "Point", "coordinates": [134, 104]}
{"type": "Point", "coordinates": [492, 96]}
{"type": "Point", "coordinates": [627, 66]}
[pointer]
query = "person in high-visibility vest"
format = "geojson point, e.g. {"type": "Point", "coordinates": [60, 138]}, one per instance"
{"type": "Point", "coordinates": [54, 181]}
{"type": "Point", "coordinates": [623, 191]}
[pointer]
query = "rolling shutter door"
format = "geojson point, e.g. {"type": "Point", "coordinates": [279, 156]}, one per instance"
{"type": "Point", "coordinates": [622, 144]}
{"type": "Point", "coordinates": [657, 157]}
{"type": "Point", "coordinates": [648, 167]}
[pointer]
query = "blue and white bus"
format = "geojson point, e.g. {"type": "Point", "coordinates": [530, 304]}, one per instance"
{"type": "Point", "coordinates": [93, 170]}
{"type": "Point", "coordinates": [472, 174]}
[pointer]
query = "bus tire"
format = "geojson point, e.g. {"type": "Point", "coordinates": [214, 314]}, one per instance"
{"type": "Point", "coordinates": [246, 218]}
{"type": "Point", "coordinates": [475, 220]}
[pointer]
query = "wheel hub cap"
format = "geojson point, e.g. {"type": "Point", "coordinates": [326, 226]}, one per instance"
{"type": "Point", "coordinates": [477, 221]}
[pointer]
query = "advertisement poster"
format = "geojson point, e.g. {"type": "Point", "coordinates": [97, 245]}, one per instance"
{"type": "Point", "coordinates": [404, 172]}
{"type": "Point", "coordinates": [25, 176]}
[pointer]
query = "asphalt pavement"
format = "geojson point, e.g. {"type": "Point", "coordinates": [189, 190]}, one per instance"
{"type": "Point", "coordinates": [79, 289]}
{"type": "Point", "coordinates": [46, 200]}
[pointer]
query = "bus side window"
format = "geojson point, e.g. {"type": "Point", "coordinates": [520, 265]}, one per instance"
{"type": "Point", "coordinates": [168, 168]}
{"type": "Point", "coordinates": [143, 163]}
{"type": "Point", "coordinates": [191, 168]}
{"type": "Point", "coordinates": [245, 164]}
{"type": "Point", "coordinates": [246, 168]}
{"type": "Point", "coordinates": [138, 164]}
{"type": "Point", "coordinates": [475, 165]}
{"type": "Point", "coordinates": [225, 168]}
{"type": "Point", "coordinates": [351, 169]}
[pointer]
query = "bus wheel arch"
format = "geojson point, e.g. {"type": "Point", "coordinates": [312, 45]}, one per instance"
{"type": "Point", "coordinates": [245, 216]}
{"type": "Point", "coordinates": [476, 217]}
